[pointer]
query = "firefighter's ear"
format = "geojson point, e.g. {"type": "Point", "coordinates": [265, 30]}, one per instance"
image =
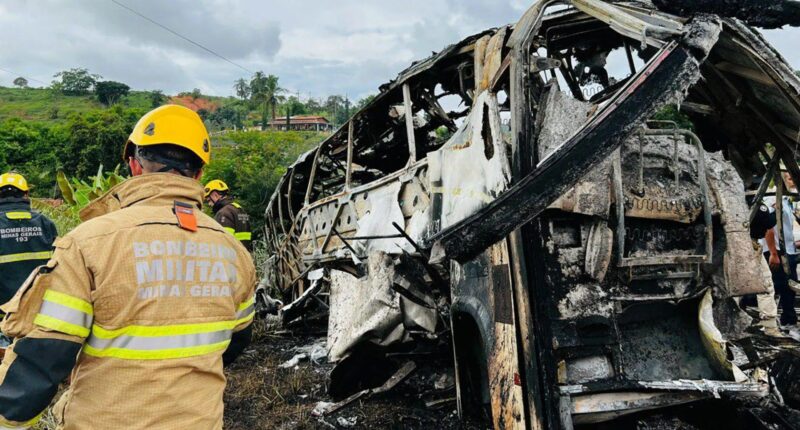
{"type": "Point", "coordinates": [135, 166]}
{"type": "Point", "coordinates": [199, 174]}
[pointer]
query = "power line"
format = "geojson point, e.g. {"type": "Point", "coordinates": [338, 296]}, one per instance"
{"type": "Point", "coordinates": [19, 74]}
{"type": "Point", "coordinates": [181, 36]}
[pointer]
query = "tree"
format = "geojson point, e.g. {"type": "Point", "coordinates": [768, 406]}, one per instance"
{"type": "Point", "coordinates": [258, 95]}
{"type": "Point", "coordinates": [313, 105]}
{"type": "Point", "coordinates": [203, 114]}
{"type": "Point", "coordinates": [33, 148]}
{"type": "Point", "coordinates": [273, 93]}
{"type": "Point", "coordinates": [109, 92]}
{"type": "Point", "coordinates": [344, 115]}
{"type": "Point", "coordinates": [338, 108]}
{"type": "Point", "coordinates": [293, 106]}
{"type": "Point", "coordinates": [265, 92]}
{"type": "Point", "coordinates": [94, 139]}
{"type": "Point", "coordinates": [257, 86]}
{"type": "Point", "coordinates": [21, 82]}
{"type": "Point", "coordinates": [361, 104]}
{"type": "Point", "coordinates": [194, 94]}
{"type": "Point", "coordinates": [242, 88]}
{"type": "Point", "coordinates": [333, 104]}
{"type": "Point", "coordinates": [157, 98]}
{"type": "Point", "coordinates": [231, 115]}
{"type": "Point", "coordinates": [75, 81]}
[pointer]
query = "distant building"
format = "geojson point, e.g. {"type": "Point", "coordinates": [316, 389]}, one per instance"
{"type": "Point", "coordinates": [302, 123]}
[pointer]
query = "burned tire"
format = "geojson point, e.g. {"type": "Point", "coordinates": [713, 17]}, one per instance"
{"type": "Point", "coordinates": [471, 364]}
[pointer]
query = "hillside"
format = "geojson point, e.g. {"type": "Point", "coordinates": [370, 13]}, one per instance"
{"type": "Point", "coordinates": [47, 105]}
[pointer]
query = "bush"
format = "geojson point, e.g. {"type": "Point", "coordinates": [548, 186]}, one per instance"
{"type": "Point", "coordinates": [33, 149]}
{"type": "Point", "coordinates": [75, 81]}
{"type": "Point", "coordinates": [109, 92]}
{"type": "Point", "coordinates": [86, 140]}
{"type": "Point", "coordinates": [97, 138]}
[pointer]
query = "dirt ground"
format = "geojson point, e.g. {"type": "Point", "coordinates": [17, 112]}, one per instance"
{"type": "Point", "coordinates": [261, 395]}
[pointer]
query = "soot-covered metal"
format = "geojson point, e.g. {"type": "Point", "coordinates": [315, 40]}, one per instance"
{"type": "Point", "coordinates": [517, 198]}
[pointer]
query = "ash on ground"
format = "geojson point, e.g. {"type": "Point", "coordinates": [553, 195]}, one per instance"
{"type": "Point", "coordinates": [279, 381]}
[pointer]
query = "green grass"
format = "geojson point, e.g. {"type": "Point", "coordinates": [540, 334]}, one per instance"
{"type": "Point", "coordinates": [63, 216]}
{"type": "Point", "coordinates": [46, 105]}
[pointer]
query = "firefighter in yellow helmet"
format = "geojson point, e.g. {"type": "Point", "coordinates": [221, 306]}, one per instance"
{"type": "Point", "coordinates": [142, 304]}
{"type": "Point", "coordinates": [228, 212]}
{"type": "Point", "coordinates": [26, 240]}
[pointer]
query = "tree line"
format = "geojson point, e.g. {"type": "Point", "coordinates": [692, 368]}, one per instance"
{"type": "Point", "coordinates": [250, 162]}
{"type": "Point", "coordinates": [258, 101]}
{"type": "Point", "coordinates": [263, 92]}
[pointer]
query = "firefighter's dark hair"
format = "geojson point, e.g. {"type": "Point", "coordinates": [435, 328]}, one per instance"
{"type": "Point", "coordinates": [167, 157]}
{"type": "Point", "coordinates": [9, 192]}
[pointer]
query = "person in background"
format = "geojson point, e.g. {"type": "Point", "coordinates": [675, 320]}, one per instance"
{"type": "Point", "coordinates": [228, 212]}
{"type": "Point", "coordinates": [762, 227]}
{"type": "Point", "coordinates": [26, 239]}
{"type": "Point", "coordinates": [782, 258]}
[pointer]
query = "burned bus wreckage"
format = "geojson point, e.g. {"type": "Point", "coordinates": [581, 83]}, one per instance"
{"type": "Point", "coordinates": [514, 198]}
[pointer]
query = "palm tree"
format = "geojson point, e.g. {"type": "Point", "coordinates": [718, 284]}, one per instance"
{"type": "Point", "coordinates": [272, 92]}
{"type": "Point", "coordinates": [257, 87]}
{"type": "Point", "coordinates": [242, 88]}
{"type": "Point", "coordinates": [265, 91]}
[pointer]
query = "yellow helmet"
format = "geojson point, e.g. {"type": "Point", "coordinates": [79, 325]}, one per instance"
{"type": "Point", "coordinates": [215, 185]}
{"type": "Point", "coordinates": [171, 124]}
{"type": "Point", "coordinates": [14, 180]}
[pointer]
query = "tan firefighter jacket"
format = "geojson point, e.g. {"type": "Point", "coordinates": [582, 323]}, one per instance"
{"type": "Point", "coordinates": [149, 306]}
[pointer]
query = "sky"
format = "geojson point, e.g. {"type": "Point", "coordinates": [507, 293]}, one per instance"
{"type": "Point", "coordinates": [316, 47]}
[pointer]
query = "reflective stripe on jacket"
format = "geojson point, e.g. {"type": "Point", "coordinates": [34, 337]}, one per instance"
{"type": "Point", "coordinates": [26, 241]}
{"type": "Point", "coordinates": [151, 307]}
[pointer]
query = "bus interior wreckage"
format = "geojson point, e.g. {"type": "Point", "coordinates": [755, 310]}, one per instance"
{"type": "Point", "coordinates": [515, 198]}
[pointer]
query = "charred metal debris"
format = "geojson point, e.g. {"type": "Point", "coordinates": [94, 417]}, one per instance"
{"type": "Point", "coordinates": [512, 201]}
